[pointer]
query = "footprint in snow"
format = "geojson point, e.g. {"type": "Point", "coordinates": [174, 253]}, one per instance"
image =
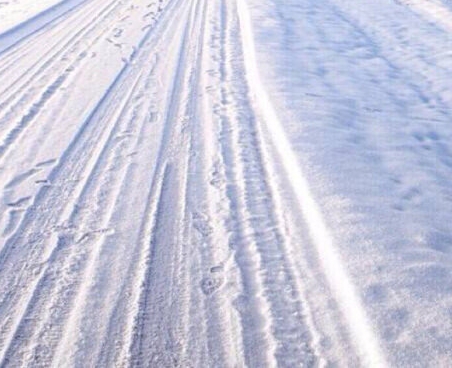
{"type": "Point", "coordinates": [201, 223]}
{"type": "Point", "coordinates": [117, 32]}
{"type": "Point", "coordinates": [214, 281]}
{"type": "Point", "coordinates": [211, 284]}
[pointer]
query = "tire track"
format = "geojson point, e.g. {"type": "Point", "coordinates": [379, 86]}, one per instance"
{"type": "Point", "coordinates": [95, 210]}
{"type": "Point", "coordinates": [251, 304]}
{"type": "Point", "coordinates": [213, 324]}
{"type": "Point", "coordinates": [51, 205]}
{"type": "Point", "coordinates": [81, 310]}
{"type": "Point", "coordinates": [58, 116]}
{"type": "Point", "coordinates": [270, 295]}
{"type": "Point", "coordinates": [159, 333]}
{"type": "Point", "coordinates": [119, 329]}
{"type": "Point", "coordinates": [117, 353]}
{"type": "Point", "coordinates": [31, 52]}
{"type": "Point", "coordinates": [23, 30]}
{"type": "Point", "coordinates": [52, 298]}
{"type": "Point", "coordinates": [203, 273]}
{"type": "Point", "coordinates": [54, 246]}
{"type": "Point", "coordinates": [28, 101]}
{"type": "Point", "coordinates": [365, 341]}
{"type": "Point", "coordinates": [58, 51]}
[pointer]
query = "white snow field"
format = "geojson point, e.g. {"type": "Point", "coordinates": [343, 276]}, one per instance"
{"type": "Point", "coordinates": [225, 183]}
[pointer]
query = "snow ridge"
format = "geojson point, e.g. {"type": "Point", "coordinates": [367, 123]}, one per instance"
{"type": "Point", "coordinates": [360, 328]}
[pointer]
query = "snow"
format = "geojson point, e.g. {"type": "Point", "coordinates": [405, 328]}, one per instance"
{"type": "Point", "coordinates": [15, 12]}
{"type": "Point", "coordinates": [365, 102]}
{"type": "Point", "coordinates": [225, 183]}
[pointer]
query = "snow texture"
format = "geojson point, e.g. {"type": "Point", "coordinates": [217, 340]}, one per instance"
{"type": "Point", "coordinates": [225, 183]}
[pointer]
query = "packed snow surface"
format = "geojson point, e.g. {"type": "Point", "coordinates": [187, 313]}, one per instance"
{"type": "Point", "coordinates": [225, 183]}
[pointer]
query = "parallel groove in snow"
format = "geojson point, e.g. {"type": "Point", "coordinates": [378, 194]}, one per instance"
{"type": "Point", "coordinates": [78, 147]}
{"type": "Point", "coordinates": [160, 235]}
{"type": "Point", "coordinates": [258, 234]}
{"type": "Point", "coordinates": [41, 21]}
{"type": "Point", "coordinates": [32, 100]}
{"type": "Point", "coordinates": [363, 335]}
{"type": "Point", "coordinates": [153, 335]}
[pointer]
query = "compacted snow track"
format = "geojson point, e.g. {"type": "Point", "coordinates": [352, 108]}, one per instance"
{"type": "Point", "coordinates": [157, 237]}
{"type": "Point", "coordinates": [153, 210]}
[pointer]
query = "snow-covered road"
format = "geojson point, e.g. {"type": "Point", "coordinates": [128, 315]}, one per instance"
{"type": "Point", "coordinates": [225, 183]}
